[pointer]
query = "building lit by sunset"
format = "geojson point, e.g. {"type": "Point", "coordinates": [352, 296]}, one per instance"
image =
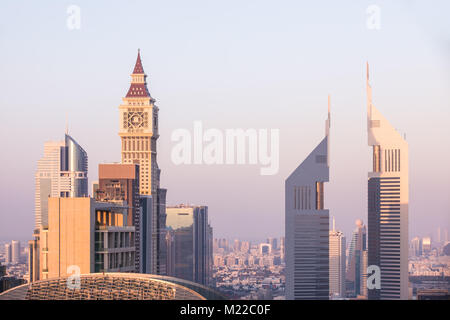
{"type": "Point", "coordinates": [86, 236]}
{"type": "Point", "coordinates": [387, 204]}
{"type": "Point", "coordinates": [61, 172]}
{"type": "Point", "coordinates": [138, 130]}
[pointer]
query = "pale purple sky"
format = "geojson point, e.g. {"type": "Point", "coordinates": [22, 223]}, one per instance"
{"type": "Point", "coordinates": [258, 64]}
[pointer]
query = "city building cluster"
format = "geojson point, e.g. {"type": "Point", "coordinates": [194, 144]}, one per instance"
{"type": "Point", "coordinates": [123, 224]}
{"type": "Point", "coordinates": [123, 231]}
{"type": "Point", "coordinates": [246, 270]}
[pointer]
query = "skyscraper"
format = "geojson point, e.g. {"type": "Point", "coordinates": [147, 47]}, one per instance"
{"type": "Point", "coordinates": [61, 172]}
{"type": "Point", "coordinates": [356, 275]}
{"type": "Point", "coordinates": [387, 204]}
{"type": "Point", "coordinates": [138, 131]}
{"type": "Point", "coordinates": [282, 249]}
{"type": "Point", "coordinates": [337, 264]}
{"type": "Point", "coordinates": [15, 251]}
{"type": "Point", "coordinates": [8, 253]}
{"type": "Point", "coordinates": [307, 225]}
{"type": "Point", "coordinates": [416, 244]}
{"type": "Point", "coordinates": [191, 251]}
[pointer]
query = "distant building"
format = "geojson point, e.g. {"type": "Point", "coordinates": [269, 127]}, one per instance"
{"type": "Point", "coordinates": [356, 274]}
{"type": "Point", "coordinates": [264, 248]}
{"type": "Point", "coordinates": [388, 198]}
{"type": "Point", "coordinates": [426, 245]}
{"type": "Point", "coordinates": [15, 251]}
{"type": "Point", "coordinates": [245, 246]}
{"type": "Point", "coordinates": [337, 264]}
{"type": "Point", "coordinates": [237, 245]}
{"type": "Point", "coordinates": [416, 244]}
{"type": "Point", "coordinates": [273, 243]}
{"type": "Point", "coordinates": [86, 236]}
{"type": "Point", "coordinates": [307, 226]}
{"type": "Point", "coordinates": [8, 253]}
{"type": "Point", "coordinates": [282, 249]}
{"type": "Point", "coordinates": [192, 243]}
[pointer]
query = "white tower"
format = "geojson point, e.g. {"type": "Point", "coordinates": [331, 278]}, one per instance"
{"type": "Point", "coordinates": [337, 264]}
{"type": "Point", "coordinates": [387, 204]}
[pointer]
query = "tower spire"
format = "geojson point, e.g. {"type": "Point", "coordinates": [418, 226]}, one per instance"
{"type": "Point", "coordinates": [138, 69]}
{"type": "Point", "coordinates": [138, 88]}
{"type": "Point", "coordinates": [67, 123]}
{"type": "Point", "coordinates": [369, 93]}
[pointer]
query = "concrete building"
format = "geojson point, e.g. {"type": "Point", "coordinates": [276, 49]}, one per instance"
{"type": "Point", "coordinates": [192, 243]}
{"type": "Point", "coordinates": [119, 183]}
{"type": "Point", "coordinates": [388, 199]}
{"type": "Point", "coordinates": [337, 264]}
{"type": "Point", "coordinates": [307, 225]}
{"type": "Point", "coordinates": [138, 130]}
{"type": "Point", "coordinates": [86, 236]}
{"type": "Point", "coordinates": [356, 275]}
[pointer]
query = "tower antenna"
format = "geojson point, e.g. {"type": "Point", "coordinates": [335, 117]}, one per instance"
{"type": "Point", "coordinates": [67, 123]}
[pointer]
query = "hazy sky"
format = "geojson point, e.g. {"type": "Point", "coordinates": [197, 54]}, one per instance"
{"type": "Point", "coordinates": [231, 64]}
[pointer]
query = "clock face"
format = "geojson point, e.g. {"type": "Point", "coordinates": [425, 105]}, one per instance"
{"type": "Point", "coordinates": [135, 121]}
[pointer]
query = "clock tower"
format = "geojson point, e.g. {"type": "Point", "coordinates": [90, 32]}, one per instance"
{"type": "Point", "coordinates": [138, 130]}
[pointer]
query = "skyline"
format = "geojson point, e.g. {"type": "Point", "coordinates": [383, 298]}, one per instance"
{"type": "Point", "coordinates": [299, 111]}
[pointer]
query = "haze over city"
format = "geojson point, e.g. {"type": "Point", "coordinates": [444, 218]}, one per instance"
{"type": "Point", "coordinates": [216, 62]}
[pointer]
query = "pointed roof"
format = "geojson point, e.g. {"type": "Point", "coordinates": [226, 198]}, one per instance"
{"type": "Point", "coordinates": [138, 89]}
{"type": "Point", "coordinates": [138, 66]}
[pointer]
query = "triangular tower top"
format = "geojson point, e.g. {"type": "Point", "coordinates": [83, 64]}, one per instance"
{"type": "Point", "coordinates": [138, 87]}
{"type": "Point", "coordinates": [138, 67]}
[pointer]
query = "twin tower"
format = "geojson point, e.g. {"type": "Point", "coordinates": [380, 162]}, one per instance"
{"type": "Point", "coordinates": [307, 221]}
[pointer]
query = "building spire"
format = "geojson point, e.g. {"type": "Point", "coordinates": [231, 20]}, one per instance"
{"type": "Point", "coordinates": [328, 121]}
{"type": "Point", "coordinates": [369, 93]}
{"type": "Point", "coordinates": [367, 71]}
{"type": "Point", "coordinates": [67, 123]}
{"type": "Point", "coordinates": [138, 69]}
{"type": "Point", "coordinates": [138, 88]}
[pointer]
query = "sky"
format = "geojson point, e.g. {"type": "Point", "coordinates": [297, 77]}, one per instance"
{"type": "Point", "coordinates": [230, 64]}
